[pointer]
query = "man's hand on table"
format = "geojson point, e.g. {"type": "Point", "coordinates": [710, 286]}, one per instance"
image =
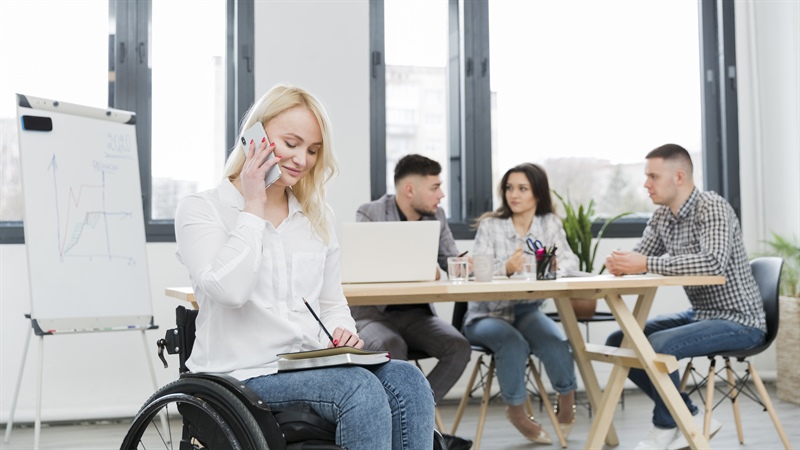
{"type": "Point", "coordinates": [622, 262]}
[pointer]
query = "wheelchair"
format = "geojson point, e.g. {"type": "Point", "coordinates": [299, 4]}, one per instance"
{"type": "Point", "coordinates": [218, 412]}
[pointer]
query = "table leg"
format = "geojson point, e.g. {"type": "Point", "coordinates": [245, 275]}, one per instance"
{"type": "Point", "coordinates": [631, 325]}
{"type": "Point", "coordinates": [573, 332]}
{"type": "Point", "coordinates": [616, 381]}
{"type": "Point", "coordinates": [604, 416]}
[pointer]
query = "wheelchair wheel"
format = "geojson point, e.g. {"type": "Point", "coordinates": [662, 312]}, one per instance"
{"type": "Point", "coordinates": [192, 413]}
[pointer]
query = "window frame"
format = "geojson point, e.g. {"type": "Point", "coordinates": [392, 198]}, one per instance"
{"type": "Point", "coordinates": [470, 190]}
{"type": "Point", "coordinates": [131, 90]}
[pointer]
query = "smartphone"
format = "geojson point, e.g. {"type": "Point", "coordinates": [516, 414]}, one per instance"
{"type": "Point", "coordinates": [256, 134]}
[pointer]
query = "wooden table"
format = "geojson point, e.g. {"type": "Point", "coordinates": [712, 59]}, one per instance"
{"type": "Point", "coordinates": [636, 350]}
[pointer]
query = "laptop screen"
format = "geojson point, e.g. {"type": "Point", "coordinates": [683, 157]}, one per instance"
{"type": "Point", "coordinates": [378, 252]}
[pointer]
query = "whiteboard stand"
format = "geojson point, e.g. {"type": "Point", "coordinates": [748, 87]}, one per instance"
{"type": "Point", "coordinates": [37, 426]}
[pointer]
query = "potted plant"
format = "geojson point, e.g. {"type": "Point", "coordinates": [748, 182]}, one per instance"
{"type": "Point", "coordinates": [578, 227]}
{"type": "Point", "coordinates": [788, 339]}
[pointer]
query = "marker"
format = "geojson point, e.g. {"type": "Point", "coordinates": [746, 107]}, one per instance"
{"type": "Point", "coordinates": [459, 256]}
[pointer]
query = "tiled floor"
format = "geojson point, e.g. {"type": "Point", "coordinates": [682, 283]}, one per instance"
{"type": "Point", "coordinates": [631, 425]}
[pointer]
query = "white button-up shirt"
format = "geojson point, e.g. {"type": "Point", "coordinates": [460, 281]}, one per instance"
{"type": "Point", "coordinates": [250, 278]}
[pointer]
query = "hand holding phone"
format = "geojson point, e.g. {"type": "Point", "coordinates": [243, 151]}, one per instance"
{"type": "Point", "coordinates": [256, 134]}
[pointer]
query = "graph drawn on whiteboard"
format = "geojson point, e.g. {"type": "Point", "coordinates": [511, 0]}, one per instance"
{"type": "Point", "coordinates": [85, 223]}
{"type": "Point", "coordinates": [83, 218]}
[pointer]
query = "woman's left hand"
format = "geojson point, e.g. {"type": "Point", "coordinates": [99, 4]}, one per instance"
{"type": "Point", "coordinates": [345, 338]}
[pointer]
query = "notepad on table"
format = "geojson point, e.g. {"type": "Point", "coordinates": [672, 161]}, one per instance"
{"type": "Point", "coordinates": [338, 356]}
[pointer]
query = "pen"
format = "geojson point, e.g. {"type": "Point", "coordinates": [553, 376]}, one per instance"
{"type": "Point", "coordinates": [463, 254]}
{"type": "Point", "coordinates": [320, 322]}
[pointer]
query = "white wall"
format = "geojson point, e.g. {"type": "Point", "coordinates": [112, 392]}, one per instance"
{"type": "Point", "coordinates": [104, 375]}
{"type": "Point", "coordinates": [328, 56]}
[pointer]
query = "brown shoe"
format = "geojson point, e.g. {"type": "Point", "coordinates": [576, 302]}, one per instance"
{"type": "Point", "coordinates": [528, 426]}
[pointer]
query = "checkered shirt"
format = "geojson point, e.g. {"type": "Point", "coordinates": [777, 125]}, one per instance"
{"type": "Point", "coordinates": [705, 239]}
{"type": "Point", "coordinates": [497, 237]}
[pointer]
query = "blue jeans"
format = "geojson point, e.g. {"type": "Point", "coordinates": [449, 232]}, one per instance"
{"type": "Point", "coordinates": [389, 406]}
{"type": "Point", "coordinates": [684, 337]}
{"type": "Point", "coordinates": [512, 344]}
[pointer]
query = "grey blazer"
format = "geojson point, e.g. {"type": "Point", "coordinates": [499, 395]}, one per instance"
{"type": "Point", "coordinates": [385, 209]}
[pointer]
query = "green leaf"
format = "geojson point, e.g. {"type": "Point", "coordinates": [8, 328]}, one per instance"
{"type": "Point", "coordinates": [790, 252]}
{"type": "Point", "coordinates": [578, 227]}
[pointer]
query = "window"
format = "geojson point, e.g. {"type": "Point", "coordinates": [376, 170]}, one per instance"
{"type": "Point", "coordinates": [188, 155]}
{"type": "Point", "coordinates": [130, 58]}
{"type": "Point", "coordinates": [588, 110]}
{"type": "Point", "coordinates": [584, 89]}
{"type": "Point", "coordinates": [416, 82]}
{"type": "Point", "coordinates": [52, 68]}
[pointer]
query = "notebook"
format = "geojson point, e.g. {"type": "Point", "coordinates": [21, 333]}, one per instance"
{"type": "Point", "coordinates": [338, 356]}
{"type": "Point", "coordinates": [377, 252]}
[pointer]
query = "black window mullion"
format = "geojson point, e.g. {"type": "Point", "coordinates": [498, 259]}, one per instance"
{"type": "Point", "coordinates": [712, 157]}
{"type": "Point", "coordinates": [231, 113]}
{"type": "Point", "coordinates": [474, 168]}
{"type": "Point", "coordinates": [377, 101]}
{"type": "Point", "coordinates": [729, 126]}
{"type": "Point", "coordinates": [454, 95]}
{"type": "Point", "coordinates": [243, 60]}
{"type": "Point", "coordinates": [720, 101]}
{"type": "Point", "coordinates": [480, 154]}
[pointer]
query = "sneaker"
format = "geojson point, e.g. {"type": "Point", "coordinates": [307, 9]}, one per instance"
{"type": "Point", "coordinates": [657, 439]}
{"type": "Point", "coordinates": [680, 440]}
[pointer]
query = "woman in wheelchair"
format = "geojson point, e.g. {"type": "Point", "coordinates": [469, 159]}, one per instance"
{"type": "Point", "coordinates": [254, 254]}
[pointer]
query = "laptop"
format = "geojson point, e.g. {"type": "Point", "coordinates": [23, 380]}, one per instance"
{"type": "Point", "coordinates": [383, 252]}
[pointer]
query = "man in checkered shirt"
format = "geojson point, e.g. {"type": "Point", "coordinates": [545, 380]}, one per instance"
{"type": "Point", "coordinates": [692, 233]}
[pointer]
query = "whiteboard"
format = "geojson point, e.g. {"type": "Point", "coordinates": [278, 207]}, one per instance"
{"type": "Point", "coordinates": [83, 217]}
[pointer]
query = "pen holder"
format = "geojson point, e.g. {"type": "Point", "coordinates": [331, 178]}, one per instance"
{"type": "Point", "coordinates": [546, 266]}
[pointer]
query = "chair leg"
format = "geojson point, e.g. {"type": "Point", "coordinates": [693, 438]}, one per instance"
{"type": "Point", "coordinates": [685, 377]}
{"type": "Point", "coordinates": [712, 376]}
{"type": "Point", "coordinates": [550, 413]}
{"type": "Point", "coordinates": [439, 422]}
{"type": "Point", "coordinates": [467, 392]}
{"type": "Point", "coordinates": [762, 391]}
{"type": "Point", "coordinates": [487, 395]}
{"type": "Point", "coordinates": [734, 395]}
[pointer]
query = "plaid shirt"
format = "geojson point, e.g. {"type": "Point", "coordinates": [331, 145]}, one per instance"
{"type": "Point", "coordinates": [497, 237]}
{"type": "Point", "coordinates": [705, 239]}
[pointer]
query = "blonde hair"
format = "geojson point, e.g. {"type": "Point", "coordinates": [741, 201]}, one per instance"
{"type": "Point", "coordinates": [309, 190]}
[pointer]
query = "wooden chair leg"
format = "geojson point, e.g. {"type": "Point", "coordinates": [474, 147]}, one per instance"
{"type": "Point", "coordinates": [550, 413]}
{"type": "Point", "coordinates": [439, 422]}
{"type": "Point", "coordinates": [467, 392]}
{"type": "Point", "coordinates": [487, 395]}
{"type": "Point", "coordinates": [762, 391]}
{"type": "Point", "coordinates": [710, 381]}
{"type": "Point", "coordinates": [685, 378]}
{"type": "Point", "coordinates": [737, 416]}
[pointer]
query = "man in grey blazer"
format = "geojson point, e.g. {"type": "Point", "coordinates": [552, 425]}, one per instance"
{"type": "Point", "coordinates": [398, 328]}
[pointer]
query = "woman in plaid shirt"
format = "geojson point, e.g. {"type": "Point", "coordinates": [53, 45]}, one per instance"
{"type": "Point", "coordinates": [513, 329]}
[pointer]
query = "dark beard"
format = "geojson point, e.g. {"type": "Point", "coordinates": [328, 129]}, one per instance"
{"type": "Point", "coordinates": [424, 213]}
